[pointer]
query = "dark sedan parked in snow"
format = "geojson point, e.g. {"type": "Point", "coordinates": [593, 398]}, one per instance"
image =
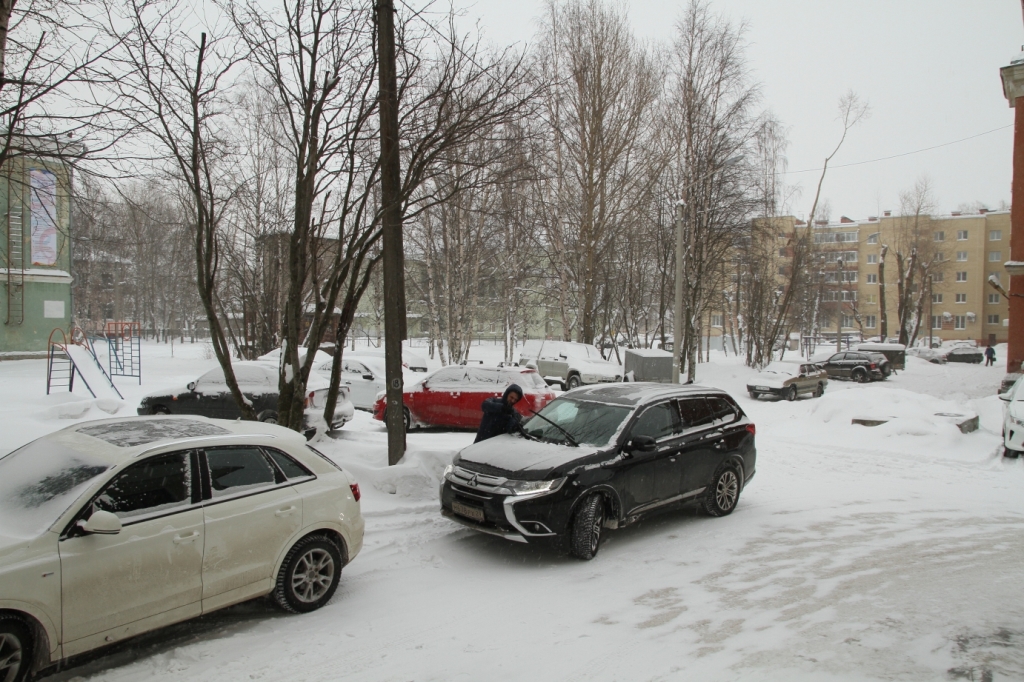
{"type": "Point", "coordinates": [209, 396]}
{"type": "Point", "coordinates": [603, 457]}
{"type": "Point", "coordinates": [860, 367]}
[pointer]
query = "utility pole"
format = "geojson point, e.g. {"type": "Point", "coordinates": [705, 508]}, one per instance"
{"type": "Point", "coordinates": [931, 311]}
{"type": "Point", "coordinates": [677, 317]}
{"type": "Point", "coordinates": [391, 219]}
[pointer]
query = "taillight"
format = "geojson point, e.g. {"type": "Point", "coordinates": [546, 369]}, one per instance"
{"type": "Point", "coordinates": [872, 366]}
{"type": "Point", "coordinates": [751, 429]}
{"type": "Point", "coordinates": [355, 491]}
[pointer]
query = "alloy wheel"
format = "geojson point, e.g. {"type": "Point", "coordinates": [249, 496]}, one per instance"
{"type": "Point", "coordinates": [595, 533]}
{"type": "Point", "coordinates": [10, 657]}
{"type": "Point", "coordinates": [312, 575]}
{"type": "Point", "coordinates": [727, 490]}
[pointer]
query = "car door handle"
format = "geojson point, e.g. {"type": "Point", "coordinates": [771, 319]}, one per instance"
{"type": "Point", "coordinates": [285, 512]}
{"type": "Point", "coordinates": [182, 539]}
{"type": "Point", "coordinates": [720, 444]}
{"type": "Point", "coordinates": [671, 459]}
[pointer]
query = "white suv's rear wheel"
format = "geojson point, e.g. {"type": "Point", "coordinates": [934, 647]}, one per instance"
{"type": "Point", "coordinates": [309, 575]}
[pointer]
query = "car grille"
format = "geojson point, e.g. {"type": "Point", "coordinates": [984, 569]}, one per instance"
{"type": "Point", "coordinates": [480, 486]}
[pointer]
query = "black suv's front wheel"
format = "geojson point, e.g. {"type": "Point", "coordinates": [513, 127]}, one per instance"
{"type": "Point", "coordinates": [587, 524]}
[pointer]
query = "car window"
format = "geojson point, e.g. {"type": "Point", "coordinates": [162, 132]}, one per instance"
{"type": "Point", "coordinates": [723, 411]}
{"type": "Point", "coordinates": [288, 466]}
{"type": "Point", "coordinates": [353, 367]}
{"type": "Point", "coordinates": [657, 421]}
{"type": "Point", "coordinates": [157, 484]}
{"type": "Point", "coordinates": [450, 375]}
{"type": "Point", "coordinates": [477, 375]}
{"type": "Point", "coordinates": [237, 469]}
{"type": "Point", "coordinates": [695, 412]}
{"type": "Point", "coordinates": [837, 357]}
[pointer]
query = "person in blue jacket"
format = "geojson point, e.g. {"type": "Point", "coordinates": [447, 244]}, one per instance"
{"type": "Point", "coordinates": [500, 415]}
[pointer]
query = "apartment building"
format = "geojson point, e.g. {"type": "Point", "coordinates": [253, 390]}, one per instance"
{"type": "Point", "coordinates": [962, 251]}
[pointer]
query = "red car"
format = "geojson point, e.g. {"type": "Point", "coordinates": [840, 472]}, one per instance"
{"type": "Point", "coordinates": [452, 396]}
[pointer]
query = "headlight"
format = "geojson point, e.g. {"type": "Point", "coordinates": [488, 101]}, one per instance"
{"type": "Point", "coordinates": [448, 471]}
{"type": "Point", "coordinates": [1018, 422]}
{"type": "Point", "coordinates": [529, 487]}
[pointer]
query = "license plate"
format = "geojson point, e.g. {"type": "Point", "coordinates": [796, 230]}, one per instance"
{"type": "Point", "coordinates": [761, 388]}
{"type": "Point", "coordinates": [474, 513]}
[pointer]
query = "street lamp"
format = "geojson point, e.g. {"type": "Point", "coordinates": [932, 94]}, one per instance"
{"type": "Point", "coordinates": [677, 327]}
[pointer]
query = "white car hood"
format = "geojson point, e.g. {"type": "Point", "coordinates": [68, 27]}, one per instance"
{"type": "Point", "coordinates": [769, 379]}
{"type": "Point", "coordinates": [513, 453]}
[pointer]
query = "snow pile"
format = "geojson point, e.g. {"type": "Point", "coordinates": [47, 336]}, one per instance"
{"type": "Point", "coordinates": [71, 406]}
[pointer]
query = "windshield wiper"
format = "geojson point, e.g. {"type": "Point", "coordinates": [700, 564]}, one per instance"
{"type": "Point", "coordinates": [572, 441]}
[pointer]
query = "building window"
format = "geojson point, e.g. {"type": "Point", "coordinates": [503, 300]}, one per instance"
{"type": "Point", "coordinates": [993, 298]}
{"type": "Point", "coordinates": [833, 237]}
{"type": "Point", "coordinates": [995, 235]}
{"type": "Point", "coordinates": [716, 320]}
{"type": "Point", "coordinates": [830, 296]}
{"type": "Point", "coordinates": [995, 256]}
{"type": "Point", "coordinates": [848, 321]}
{"type": "Point", "coordinates": [959, 322]}
{"type": "Point", "coordinates": [845, 256]}
{"type": "Point", "coordinates": [936, 321]}
{"type": "Point", "coordinates": [961, 298]}
{"type": "Point", "coordinates": [848, 276]}
{"type": "Point", "coordinates": [782, 252]}
{"type": "Point", "coordinates": [872, 278]}
{"type": "Point", "coordinates": [873, 238]}
{"type": "Point", "coordinates": [961, 256]}
{"type": "Point", "coordinates": [871, 298]}
{"type": "Point", "coordinates": [993, 319]}
{"type": "Point", "coordinates": [782, 269]}
{"type": "Point", "coordinates": [961, 276]}
{"type": "Point", "coordinates": [961, 235]}
{"type": "Point", "coordinates": [107, 280]}
{"type": "Point", "coordinates": [936, 276]}
{"type": "Point", "coordinates": [872, 259]}
{"type": "Point", "coordinates": [939, 236]}
{"type": "Point", "coordinates": [936, 298]}
{"type": "Point", "coordinates": [869, 321]}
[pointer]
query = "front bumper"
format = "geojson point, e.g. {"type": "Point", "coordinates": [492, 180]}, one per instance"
{"type": "Point", "coordinates": [764, 390]}
{"type": "Point", "coordinates": [1013, 436]}
{"type": "Point", "coordinates": [534, 517]}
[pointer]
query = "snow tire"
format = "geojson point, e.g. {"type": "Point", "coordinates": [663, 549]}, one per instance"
{"type": "Point", "coordinates": [791, 394]}
{"type": "Point", "coordinates": [587, 523]}
{"type": "Point", "coordinates": [267, 417]}
{"type": "Point", "coordinates": [819, 391]}
{"type": "Point", "coordinates": [724, 492]}
{"type": "Point", "coordinates": [573, 382]}
{"type": "Point", "coordinates": [1012, 454]}
{"type": "Point", "coordinates": [309, 575]}
{"type": "Point", "coordinates": [16, 650]}
{"type": "Point", "coordinates": [860, 375]}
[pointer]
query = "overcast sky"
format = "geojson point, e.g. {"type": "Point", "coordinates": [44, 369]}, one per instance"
{"type": "Point", "coordinates": [928, 68]}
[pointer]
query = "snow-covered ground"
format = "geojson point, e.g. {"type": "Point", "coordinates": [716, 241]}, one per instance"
{"type": "Point", "coordinates": [885, 553]}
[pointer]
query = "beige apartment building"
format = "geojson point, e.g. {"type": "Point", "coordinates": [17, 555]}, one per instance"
{"type": "Point", "coordinates": [963, 251]}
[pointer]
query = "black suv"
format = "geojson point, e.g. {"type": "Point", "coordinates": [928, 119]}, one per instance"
{"type": "Point", "coordinates": [602, 457]}
{"type": "Point", "coordinates": [857, 365]}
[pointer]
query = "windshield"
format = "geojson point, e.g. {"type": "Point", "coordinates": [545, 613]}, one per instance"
{"type": "Point", "coordinates": [586, 422]}
{"type": "Point", "coordinates": [38, 482]}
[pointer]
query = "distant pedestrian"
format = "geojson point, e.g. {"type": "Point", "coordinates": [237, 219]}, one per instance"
{"type": "Point", "coordinates": [990, 356]}
{"type": "Point", "coordinates": [500, 415]}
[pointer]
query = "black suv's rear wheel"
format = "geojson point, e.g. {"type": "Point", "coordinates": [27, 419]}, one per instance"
{"type": "Point", "coordinates": [860, 375]}
{"type": "Point", "coordinates": [724, 492]}
{"type": "Point", "coordinates": [15, 649]}
{"type": "Point", "coordinates": [309, 575]}
{"type": "Point", "coordinates": [587, 523]}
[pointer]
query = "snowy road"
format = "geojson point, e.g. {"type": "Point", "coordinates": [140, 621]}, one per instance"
{"type": "Point", "coordinates": [892, 553]}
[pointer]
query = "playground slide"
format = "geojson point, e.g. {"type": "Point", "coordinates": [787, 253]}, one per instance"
{"type": "Point", "coordinates": [91, 372]}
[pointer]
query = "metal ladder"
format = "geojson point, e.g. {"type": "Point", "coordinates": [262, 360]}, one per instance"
{"type": "Point", "coordinates": [15, 266]}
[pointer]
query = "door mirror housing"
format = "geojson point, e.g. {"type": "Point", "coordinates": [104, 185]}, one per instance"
{"type": "Point", "coordinates": [101, 523]}
{"type": "Point", "coordinates": [642, 444]}
{"type": "Point", "coordinates": [1005, 397]}
{"type": "Point", "coordinates": [191, 386]}
{"type": "Point", "coordinates": [368, 377]}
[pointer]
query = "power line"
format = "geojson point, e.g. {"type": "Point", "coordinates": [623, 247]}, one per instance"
{"type": "Point", "coordinates": [896, 156]}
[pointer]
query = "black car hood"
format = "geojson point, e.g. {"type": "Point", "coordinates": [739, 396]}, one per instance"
{"type": "Point", "coordinates": [509, 455]}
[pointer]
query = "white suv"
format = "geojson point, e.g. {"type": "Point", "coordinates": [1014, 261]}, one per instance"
{"type": "Point", "coordinates": [1013, 419]}
{"type": "Point", "coordinates": [570, 364]}
{"type": "Point", "coordinates": [115, 527]}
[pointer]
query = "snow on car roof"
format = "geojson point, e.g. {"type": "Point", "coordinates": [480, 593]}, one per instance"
{"type": "Point", "coordinates": [633, 393]}
{"type": "Point", "coordinates": [128, 434]}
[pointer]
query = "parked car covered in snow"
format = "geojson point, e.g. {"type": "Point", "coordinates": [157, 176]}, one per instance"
{"type": "Point", "coordinates": [209, 396]}
{"type": "Point", "coordinates": [452, 395]}
{"type": "Point", "coordinates": [788, 380]}
{"type": "Point", "coordinates": [603, 457]}
{"type": "Point", "coordinates": [363, 376]}
{"type": "Point", "coordinates": [856, 365]}
{"type": "Point", "coordinates": [1013, 419]}
{"type": "Point", "coordinates": [410, 361]}
{"type": "Point", "coordinates": [968, 354]}
{"type": "Point", "coordinates": [112, 528]}
{"type": "Point", "coordinates": [569, 364]}
{"type": "Point", "coordinates": [932, 355]}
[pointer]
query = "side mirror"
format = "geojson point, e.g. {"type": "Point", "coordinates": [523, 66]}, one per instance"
{"type": "Point", "coordinates": [101, 523]}
{"type": "Point", "coordinates": [191, 385]}
{"type": "Point", "coordinates": [1005, 397]}
{"type": "Point", "coordinates": [368, 377]}
{"type": "Point", "coordinates": [563, 356]}
{"type": "Point", "coordinates": [642, 444]}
